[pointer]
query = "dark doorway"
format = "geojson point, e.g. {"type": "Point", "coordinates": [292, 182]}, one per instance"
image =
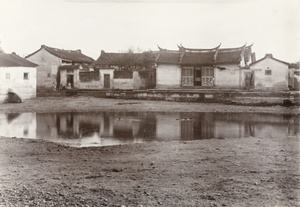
{"type": "Point", "coordinates": [106, 80]}
{"type": "Point", "coordinates": [70, 80]}
{"type": "Point", "coordinates": [249, 79]}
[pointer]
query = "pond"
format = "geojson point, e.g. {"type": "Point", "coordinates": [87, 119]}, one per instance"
{"type": "Point", "coordinates": [115, 128]}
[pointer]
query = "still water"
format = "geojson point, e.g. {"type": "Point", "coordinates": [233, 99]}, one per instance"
{"type": "Point", "coordinates": [114, 128]}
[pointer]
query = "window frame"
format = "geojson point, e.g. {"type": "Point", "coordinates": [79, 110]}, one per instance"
{"type": "Point", "coordinates": [25, 76]}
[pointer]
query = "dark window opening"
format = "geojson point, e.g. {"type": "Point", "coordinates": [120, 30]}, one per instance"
{"type": "Point", "coordinates": [25, 76]}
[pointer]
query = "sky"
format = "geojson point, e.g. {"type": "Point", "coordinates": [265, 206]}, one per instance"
{"type": "Point", "coordinates": [119, 25]}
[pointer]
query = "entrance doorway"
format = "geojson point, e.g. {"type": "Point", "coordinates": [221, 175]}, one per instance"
{"type": "Point", "coordinates": [187, 77]}
{"type": "Point", "coordinates": [106, 80]}
{"type": "Point", "coordinates": [70, 80]}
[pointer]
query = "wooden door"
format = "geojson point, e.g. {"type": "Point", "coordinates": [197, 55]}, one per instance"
{"type": "Point", "coordinates": [106, 80]}
{"type": "Point", "coordinates": [207, 76]}
{"type": "Point", "coordinates": [249, 79]}
{"type": "Point", "coordinates": [187, 76]}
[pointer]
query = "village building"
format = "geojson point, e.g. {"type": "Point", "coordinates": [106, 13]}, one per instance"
{"type": "Point", "coordinates": [49, 59]}
{"type": "Point", "coordinates": [17, 78]}
{"type": "Point", "coordinates": [126, 70]}
{"type": "Point", "coordinates": [270, 73]}
{"type": "Point", "coordinates": [294, 76]}
{"type": "Point", "coordinates": [202, 68]}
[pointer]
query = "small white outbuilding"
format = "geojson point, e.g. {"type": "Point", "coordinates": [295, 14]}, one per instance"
{"type": "Point", "coordinates": [17, 75]}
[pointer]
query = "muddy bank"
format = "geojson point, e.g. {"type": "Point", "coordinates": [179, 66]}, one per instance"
{"type": "Point", "coordinates": [227, 172]}
{"type": "Point", "coordinates": [86, 103]}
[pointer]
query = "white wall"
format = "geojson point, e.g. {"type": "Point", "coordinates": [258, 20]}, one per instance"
{"type": "Point", "coordinates": [230, 77]}
{"type": "Point", "coordinates": [48, 64]}
{"type": "Point", "coordinates": [278, 80]}
{"type": "Point", "coordinates": [25, 89]}
{"type": "Point", "coordinates": [168, 76]}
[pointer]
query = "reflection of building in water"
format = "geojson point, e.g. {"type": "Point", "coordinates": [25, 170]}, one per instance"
{"type": "Point", "coordinates": [130, 127]}
{"type": "Point", "coordinates": [18, 125]}
{"type": "Point", "coordinates": [67, 125]}
{"type": "Point", "coordinates": [221, 125]}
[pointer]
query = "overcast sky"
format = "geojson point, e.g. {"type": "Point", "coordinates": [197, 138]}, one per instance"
{"type": "Point", "coordinates": [114, 26]}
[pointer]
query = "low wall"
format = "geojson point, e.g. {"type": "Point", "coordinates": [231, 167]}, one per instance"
{"type": "Point", "coordinates": [233, 97]}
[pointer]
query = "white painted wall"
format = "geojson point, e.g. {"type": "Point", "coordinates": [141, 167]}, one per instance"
{"type": "Point", "coordinates": [168, 75]}
{"type": "Point", "coordinates": [278, 80]}
{"type": "Point", "coordinates": [25, 89]}
{"type": "Point", "coordinates": [230, 77]}
{"type": "Point", "coordinates": [48, 64]}
{"type": "Point", "coordinates": [107, 71]}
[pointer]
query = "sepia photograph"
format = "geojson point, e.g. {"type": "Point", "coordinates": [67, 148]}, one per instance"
{"type": "Point", "coordinates": [144, 103]}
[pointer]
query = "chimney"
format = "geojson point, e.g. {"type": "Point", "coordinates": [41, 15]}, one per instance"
{"type": "Point", "coordinates": [79, 50]}
{"type": "Point", "coordinates": [269, 55]}
{"type": "Point", "coordinates": [253, 57]}
{"type": "Point", "coordinates": [14, 53]}
{"type": "Point", "coordinates": [102, 52]}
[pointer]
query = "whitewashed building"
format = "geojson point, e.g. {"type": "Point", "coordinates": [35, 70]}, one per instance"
{"type": "Point", "coordinates": [203, 68]}
{"type": "Point", "coordinates": [270, 73]}
{"type": "Point", "coordinates": [49, 59]}
{"type": "Point", "coordinates": [17, 75]}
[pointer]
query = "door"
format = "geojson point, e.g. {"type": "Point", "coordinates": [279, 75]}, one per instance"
{"type": "Point", "coordinates": [106, 80]}
{"type": "Point", "coordinates": [187, 76]}
{"type": "Point", "coordinates": [70, 81]}
{"type": "Point", "coordinates": [249, 79]}
{"type": "Point", "coordinates": [207, 76]}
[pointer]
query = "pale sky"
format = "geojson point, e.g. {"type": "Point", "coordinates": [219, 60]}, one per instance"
{"type": "Point", "coordinates": [114, 26]}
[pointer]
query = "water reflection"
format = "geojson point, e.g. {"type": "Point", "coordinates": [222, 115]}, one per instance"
{"type": "Point", "coordinates": [107, 128]}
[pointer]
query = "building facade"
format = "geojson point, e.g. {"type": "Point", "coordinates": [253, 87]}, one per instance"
{"type": "Point", "coordinates": [17, 76]}
{"type": "Point", "coordinates": [270, 73]}
{"type": "Point", "coordinates": [202, 68]}
{"type": "Point", "coordinates": [49, 59]}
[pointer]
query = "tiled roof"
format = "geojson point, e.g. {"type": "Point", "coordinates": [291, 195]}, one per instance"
{"type": "Point", "coordinates": [233, 55]}
{"type": "Point", "coordinates": [12, 60]}
{"type": "Point", "coordinates": [169, 57]}
{"type": "Point", "coordinates": [71, 55]}
{"type": "Point", "coordinates": [271, 57]}
{"type": "Point", "coordinates": [107, 59]}
{"type": "Point", "coordinates": [198, 58]}
{"type": "Point", "coordinates": [229, 56]}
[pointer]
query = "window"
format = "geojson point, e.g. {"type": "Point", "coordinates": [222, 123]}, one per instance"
{"type": "Point", "coordinates": [53, 69]}
{"type": "Point", "coordinates": [25, 76]}
{"type": "Point", "coordinates": [7, 75]}
{"type": "Point", "coordinates": [48, 75]}
{"type": "Point", "coordinates": [268, 72]}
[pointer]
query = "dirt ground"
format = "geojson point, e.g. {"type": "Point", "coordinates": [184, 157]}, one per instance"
{"type": "Point", "coordinates": [216, 172]}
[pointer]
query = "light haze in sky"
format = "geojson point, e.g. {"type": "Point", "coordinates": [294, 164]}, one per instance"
{"type": "Point", "coordinates": [116, 26]}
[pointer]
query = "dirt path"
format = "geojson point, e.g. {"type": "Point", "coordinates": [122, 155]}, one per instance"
{"type": "Point", "coordinates": [215, 172]}
{"type": "Point", "coordinates": [83, 103]}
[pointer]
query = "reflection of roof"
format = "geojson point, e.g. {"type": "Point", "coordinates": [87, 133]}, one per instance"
{"type": "Point", "coordinates": [71, 55]}
{"type": "Point", "coordinates": [12, 60]}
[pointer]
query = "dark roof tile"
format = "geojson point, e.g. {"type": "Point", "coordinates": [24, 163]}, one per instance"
{"type": "Point", "coordinates": [169, 57]}
{"type": "Point", "coordinates": [11, 60]}
{"type": "Point", "coordinates": [198, 58]}
{"type": "Point", "coordinates": [71, 55]}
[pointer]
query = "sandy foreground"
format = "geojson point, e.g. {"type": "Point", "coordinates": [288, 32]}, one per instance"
{"type": "Point", "coordinates": [215, 172]}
